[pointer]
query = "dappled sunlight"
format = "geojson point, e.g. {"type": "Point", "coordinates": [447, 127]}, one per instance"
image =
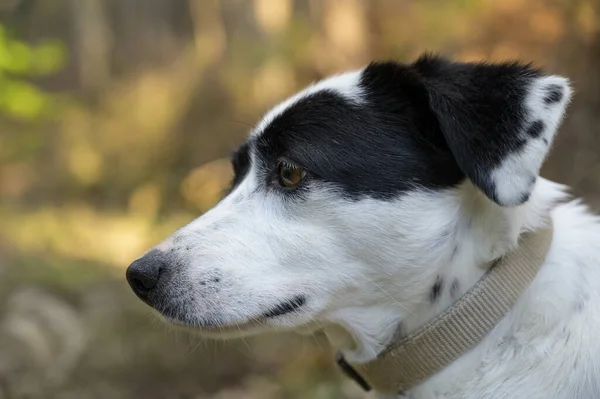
{"type": "Point", "coordinates": [272, 81]}
{"type": "Point", "coordinates": [587, 20]}
{"type": "Point", "coordinates": [206, 185]}
{"type": "Point", "coordinates": [547, 24]}
{"type": "Point", "coordinates": [20, 99]}
{"type": "Point", "coordinates": [145, 201]}
{"type": "Point", "coordinates": [345, 28]}
{"type": "Point", "coordinates": [80, 232]}
{"type": "Point", "coordinates": [85, 163]}
{"type": "Point", "coordinates": [272, 16]}
{"type": "Point", "coordinates": [209, 35]}
{"type": "Point", "coordinates": [150, 102]}
{"type": "Point", "coordinates": [16, 178]}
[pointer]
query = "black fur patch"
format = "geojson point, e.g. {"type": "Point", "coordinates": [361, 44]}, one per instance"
{"type": "Point", "coordinates": [536, 129]}
{"type": "Point", "coordinates": [436, 290]}
{"type": "Point", "coordinates": [388, 144]}
{"type": "Point", "coordinates": [422, 125]}
{"type": "Point", "coordinates": [481, 111]}
{"type": "Point", "coordinates": [525, 197]}
{"type": "Point", "coordinates": [554, 94]}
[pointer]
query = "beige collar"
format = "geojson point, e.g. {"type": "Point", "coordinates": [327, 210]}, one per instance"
{"type": "Point", "coordinates": [412, 360]}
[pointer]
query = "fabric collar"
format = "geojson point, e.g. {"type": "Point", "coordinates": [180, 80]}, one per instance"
{"type": "Point", "coordinates": [413, 359]}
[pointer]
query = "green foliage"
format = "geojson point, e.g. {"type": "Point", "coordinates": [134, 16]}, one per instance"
{"type": "Point", "coordinates": [20, 99]}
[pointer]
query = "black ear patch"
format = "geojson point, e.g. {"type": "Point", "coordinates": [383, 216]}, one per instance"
{"type": "Point", "coordinates": [497, 119]}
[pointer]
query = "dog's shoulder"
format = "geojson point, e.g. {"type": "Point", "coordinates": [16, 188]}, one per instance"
{"type": "Point", "coordinates": [547, 346]}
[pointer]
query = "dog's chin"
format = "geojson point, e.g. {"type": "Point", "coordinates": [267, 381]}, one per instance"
{"type": "Point", "coordinates": [232, 330]}
{"type": "Point", "coordinates": [282, 317]}
{"type": "Point", "coordinates": [219, 331]}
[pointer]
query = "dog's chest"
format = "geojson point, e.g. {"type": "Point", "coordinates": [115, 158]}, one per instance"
{"type": "Point", "coordinates": [547, 346]}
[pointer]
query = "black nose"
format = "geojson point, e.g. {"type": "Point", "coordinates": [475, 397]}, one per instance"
{"type": "Point", "coordinates": [143, 274]}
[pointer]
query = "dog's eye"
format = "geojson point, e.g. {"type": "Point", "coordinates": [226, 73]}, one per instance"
{"type": "Point", "coordinates": [290, 176]}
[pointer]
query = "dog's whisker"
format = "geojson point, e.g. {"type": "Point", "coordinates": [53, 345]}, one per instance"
{"type": "Point", "coordinates": [391, 297]}
{"type": "Point", "coordinates": [243, 338]}
{"type": "Point", "coordinates": [242, 122]}
{"type": "Point", "coordinates": [190, 352]}
{"type": "Point", "coordinates": [316, 339]}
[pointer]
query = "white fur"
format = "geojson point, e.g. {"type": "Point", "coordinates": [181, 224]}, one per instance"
{"type": "Point", "coordinates": [532, 353]}
{"type": "Point", "coordinates": [514, 178]}
{"type": "Point", "coordinates": [365, 266]}
{"type": "Point", "coordinates": [346, 84]}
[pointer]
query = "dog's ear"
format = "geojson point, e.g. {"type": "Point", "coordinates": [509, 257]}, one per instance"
{"type": "Point", "coordinates": [498, 120]}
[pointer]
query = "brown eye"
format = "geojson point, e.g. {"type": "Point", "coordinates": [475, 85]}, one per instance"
{"type": "Point", "coordinates": [290, 176]}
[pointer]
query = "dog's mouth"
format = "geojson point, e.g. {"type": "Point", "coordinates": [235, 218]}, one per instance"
{"type": "Point", "coordinates": [286, 307]}
{"type": "Point", "coordinates": [219, 325]}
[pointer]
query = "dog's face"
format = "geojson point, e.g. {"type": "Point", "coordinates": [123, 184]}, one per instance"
{"type": "Point", "coordinates": [353, 188]}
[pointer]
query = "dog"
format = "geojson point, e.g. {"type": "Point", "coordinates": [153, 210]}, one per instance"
{"type": "Point", "coordinates": [372, 201]}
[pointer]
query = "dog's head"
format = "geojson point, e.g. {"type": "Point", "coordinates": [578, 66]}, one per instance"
{"type": "Point", "coordinates": [352, 188]}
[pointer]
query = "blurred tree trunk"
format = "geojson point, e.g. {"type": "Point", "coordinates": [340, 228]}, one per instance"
{"type": "Point", "coordinates": [93, 42]}
{"type": "Point", "coordinates": [577, 57]}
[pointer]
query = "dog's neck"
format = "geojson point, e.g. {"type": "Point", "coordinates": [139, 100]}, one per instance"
{"type": "Point", "coordinates": [485, 231]}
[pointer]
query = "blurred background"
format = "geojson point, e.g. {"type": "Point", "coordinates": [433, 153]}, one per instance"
{"type": "Point", "coordinates": [117, 118]}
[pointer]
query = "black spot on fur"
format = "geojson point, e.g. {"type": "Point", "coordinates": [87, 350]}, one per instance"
{"type": "Point", "coordinates": [554, 94]}
{"type": "Point", "coordinates": [519, 144]}
{"type": "Point", "coordinates": [436, 290]}
{"type": "Point", "coordinates": [536, 129]}
{"type": "Point", "coordinates": [454, 288]}
{"type": "Point", "coordinates": [545, 141]}
{"type": "Point", "coordinates": [525, 197]}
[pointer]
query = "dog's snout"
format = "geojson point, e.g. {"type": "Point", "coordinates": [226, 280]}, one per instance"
{"type": "Point", "coordinates": [143, 274]}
